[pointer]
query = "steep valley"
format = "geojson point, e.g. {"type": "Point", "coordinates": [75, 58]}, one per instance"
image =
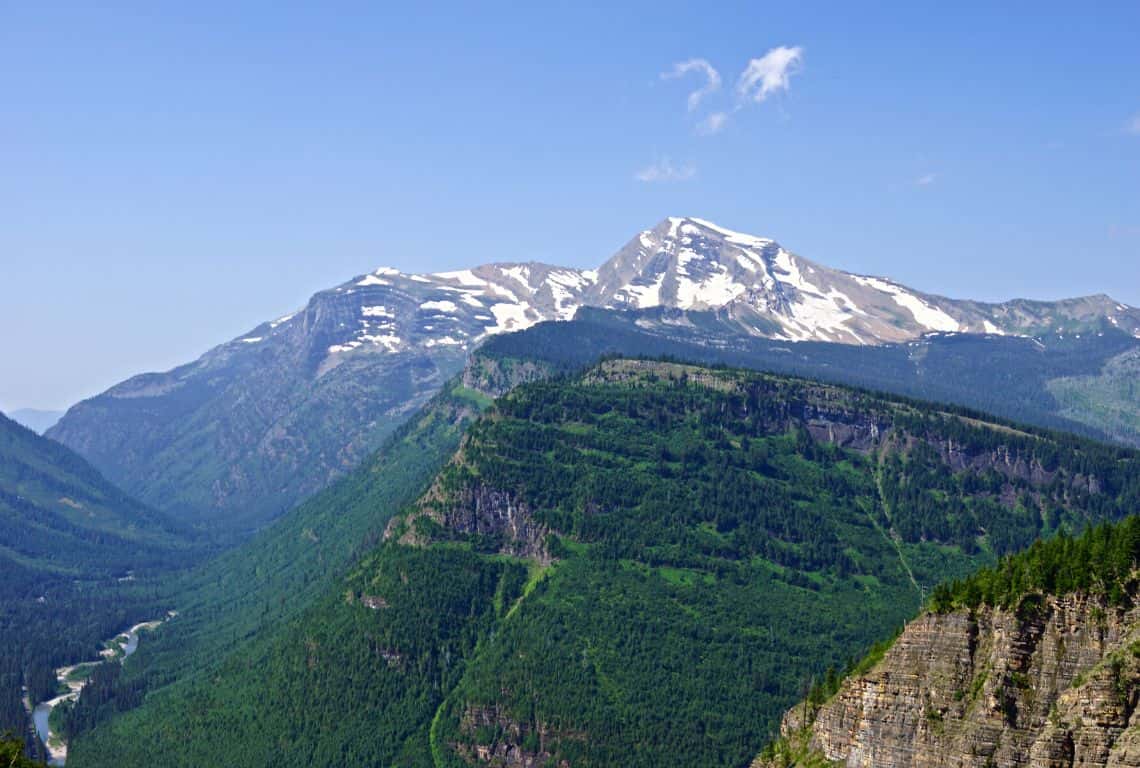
{"type": "Point", "coordinates": [79, 560]}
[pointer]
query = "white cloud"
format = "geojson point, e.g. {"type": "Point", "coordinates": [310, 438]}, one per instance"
{"type": "Point", "coordinates": [712, 78]}
{"type": "Point", "coordinates": [1133, 125]}
{"type": "Point", "coordinates": [664, 170]}
{"type": "Point", "coordinates": [714, 123]}
{"type": "Point", "coordinates": [926, 180]}
{"type": "Point", "coordinates": [768, 74]}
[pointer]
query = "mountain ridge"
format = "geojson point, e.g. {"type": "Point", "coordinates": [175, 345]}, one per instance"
{"type": "Point", "coordinates": [689, 263]}
{"type": "Point", "coordinates": [257, 423]}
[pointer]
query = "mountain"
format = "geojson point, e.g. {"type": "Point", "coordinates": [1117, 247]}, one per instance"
{"type": "Point", "coordinates": [34, 419]}
{"type": "Point", "coordinates": [1035, 662]}
{"type": "Point", "coordinates": [253, 426]}
{"type": "Point", "coordinates": [76, 563]}
{"type": "Point", "coordinates": [766, 290]}
{"type": "Point", "coordinates": [642, 564]}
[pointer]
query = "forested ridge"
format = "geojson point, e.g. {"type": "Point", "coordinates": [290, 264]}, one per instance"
{"type": "Point", "coordinates": [1101, 561]}
{"type": "Point", "coordinates": [641, 565]}
{"type": "Point", "coordinates": [1074, 382]}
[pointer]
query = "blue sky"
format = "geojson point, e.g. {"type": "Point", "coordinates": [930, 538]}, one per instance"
{"type": "Point", "coordinates": [172, 174]}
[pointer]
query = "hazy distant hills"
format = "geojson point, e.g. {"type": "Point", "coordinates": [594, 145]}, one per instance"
{"type": "Point", "coordinates": [244, 432]}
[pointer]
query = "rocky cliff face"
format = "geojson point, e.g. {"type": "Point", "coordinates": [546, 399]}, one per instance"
{"type": "Point", "coordinates": [1054, 684]}
{"type": "Point", "coordinates": [493, 516]}
{"type": "Point", "coordinates": [496, 377]}
{"type": "Point", "coordinates": [486, 512]}
{"type": "Point", "coordinates": [515, 744]}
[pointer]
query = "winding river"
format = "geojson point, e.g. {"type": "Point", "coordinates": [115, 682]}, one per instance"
{"type": "Point", "coordinates": [120, 647]}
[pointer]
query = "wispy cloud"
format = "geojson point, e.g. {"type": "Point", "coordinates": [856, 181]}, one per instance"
{"type": "Point", "coordinates": [712, 78]}
{"type": "Point", "coordinates": [714, 123]}
{"type": "Point", "coordinates": [1133, 125]}
{"type": "Point", "coordinates": [664, 170]}
{"type": "Point", "coordinates": [926, 180]}
{"type": "Point", "coordinates": [769, 74]}
{"type": "Point", "coordinates": [762, 77]}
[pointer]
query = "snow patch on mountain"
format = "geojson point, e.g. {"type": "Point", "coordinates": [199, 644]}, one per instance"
{"type": "Point", "coordinates": [642, 296]}
{"type": "Point", "coordinates": [566, 286]}
{"type": "Point", "coordinates": [389, 341]}
{"type": "Point", "coordinates": [461, 276]}
{"type": "Point", "coordinates": [442, 306]}
{"type": "Point", "coordinates": [443, 341]}
{"type": "Point", "coordinates": [520, 273]}
{"type": "Point", "coordinates": [924, 314]}
{"type": "Point", "coordinates": [736, 238]}
{"type": "Point", "coordinates": [510, 317]}
{"type": "Point", "coordinates": [713, 290]}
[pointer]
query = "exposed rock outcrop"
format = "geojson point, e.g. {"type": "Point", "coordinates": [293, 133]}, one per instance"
{"type": "Point", "coordinates": [496, 516]}
{"type": "Point", "coordinates": [482, 511]}
{"type": "Point", "coordinates": [496, 377]}
{"type": "Point", "coordinates": [1054, 684]}
{"type": "Point", "coordinates": [497, 739]}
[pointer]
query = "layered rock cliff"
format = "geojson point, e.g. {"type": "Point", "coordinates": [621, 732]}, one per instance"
{"type": "Point", "coordinates": [1052, 683]}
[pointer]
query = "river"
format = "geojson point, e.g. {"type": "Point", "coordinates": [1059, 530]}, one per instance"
{"type": "Point", "coordinates": [126, 642]}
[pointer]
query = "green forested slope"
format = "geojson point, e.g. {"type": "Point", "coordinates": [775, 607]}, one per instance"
{"type": "Point", "coordinates": [62, 516]}
{"type": "Point", "coordinates": [232, 601]}
{"type": "Point", "coordinates": [643, 565]}
{"type": "Point", "coordinates": [1102, 561]}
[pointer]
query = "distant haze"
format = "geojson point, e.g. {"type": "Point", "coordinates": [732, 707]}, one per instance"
{"type": "Point", "coordinates": [35, 420]}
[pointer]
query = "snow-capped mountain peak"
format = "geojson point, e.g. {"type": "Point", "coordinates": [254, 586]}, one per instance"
{"type": "Point", "coordinates": [683, 264]}
{"type": "Point", "coordinates": [693, 264]}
